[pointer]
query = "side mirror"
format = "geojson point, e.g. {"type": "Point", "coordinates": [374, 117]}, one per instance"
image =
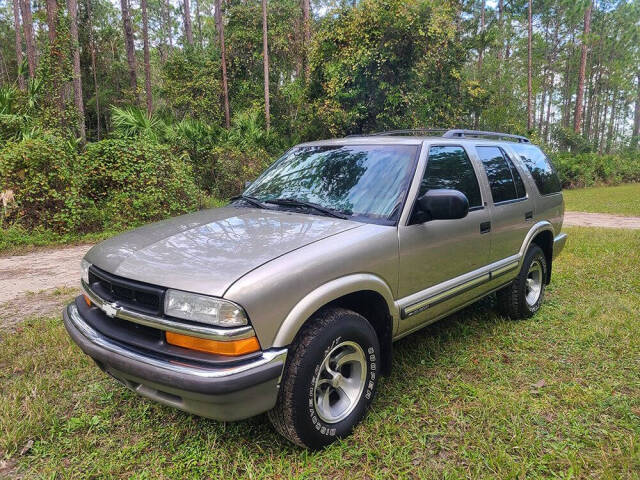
{"type": "Point", "coordinates": [442, 204]}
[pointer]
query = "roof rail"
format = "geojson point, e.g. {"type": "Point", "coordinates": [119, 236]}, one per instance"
{"type": "Point", "coordinates": [461, 133]}
{"type": "Point", "coordinates": [410, 131]}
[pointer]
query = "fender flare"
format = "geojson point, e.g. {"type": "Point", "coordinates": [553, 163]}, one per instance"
{"type": "Point", "coordinates": [329, 292]}
{"type": "Point", "coordinates": [533, 231]}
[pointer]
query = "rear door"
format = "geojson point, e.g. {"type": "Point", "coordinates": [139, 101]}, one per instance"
{"type": "Point", "coordinates": [511, 207]}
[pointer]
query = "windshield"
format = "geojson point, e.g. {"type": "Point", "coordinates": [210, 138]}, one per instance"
{"type": "Point", "coordinates": [365, 182]}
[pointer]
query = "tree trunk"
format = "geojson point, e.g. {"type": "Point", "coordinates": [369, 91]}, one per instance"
{"type": "Point", "coordinates": [147, 59]}
{"type": "Point", "coordinates": [223, 59]}
{"type": "Point", "coordinates": [636, 116]}
{"type": "Point", "coordinates": [265, 54]}
{"type": "Point", "coordinates": [529, 77]}
{"type": "Point", "coordinates": [92, 47]}
{"type": "Point", "coordinates": [128, 41]}
{"type": "Point", "coordinates": [501, 30]}
{"type": "Point", "coordinates": [167, 14]}
{"type": "Point", "coordinates": [188, 33]}
{"type": "Point", "coordinates": [52, 20]}
{"type": "Point", "coordinates": [481, 47]}
{"type": "Point", "coordinates": [577, 118]}
{"type": "Point", "coordinates": [72, 6]}
{"type": "Point", "coordinates": [306, 37]}
{"type": "Point", "coordinates": [27, 22]}
{"type": "Point", "coordinates": [16, 21]}
{"type": "Point", "coordinates": [611, 121]}
{"type": "Point", "coordinates": [199, 23]}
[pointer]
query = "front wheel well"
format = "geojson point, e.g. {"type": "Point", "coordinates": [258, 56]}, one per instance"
{"type": "Point", "coordinates": [544, 240]}
{"type": "Point", "coordinates": [372, 306]}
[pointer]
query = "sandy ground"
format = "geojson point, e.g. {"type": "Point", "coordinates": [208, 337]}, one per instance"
{"type": "Point", "coordinates": [40, 283]}
{"type": "Point", "coordinates": [583, 219]}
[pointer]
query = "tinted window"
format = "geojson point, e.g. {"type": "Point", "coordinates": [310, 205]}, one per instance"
{"type": "Point", "coordinates": [503, 187]}
{"type": "Point", "coordinates": [451, 169]}
{"type": "Point", "coordinates": [520, 190]}
{"type": "Point", "coordinates": [362, 181]}
{"type": "Point", "coordinates": [540, 167]}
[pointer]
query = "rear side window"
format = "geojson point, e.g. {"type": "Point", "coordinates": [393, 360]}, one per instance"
{"type": "Point", "coordinates": [500, 174]}
{"type": "Point", "coordinates": [540, 167]}
{"type": "Point", "coordinates": [520, 190]}
{"type": "Point", "coordinates": [450, 168]}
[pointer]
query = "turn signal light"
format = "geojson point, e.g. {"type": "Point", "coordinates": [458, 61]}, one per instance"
{"type": "Point", "coordinates": [87, 300]}
{"type": "Point", "coordinates": [230, 348]}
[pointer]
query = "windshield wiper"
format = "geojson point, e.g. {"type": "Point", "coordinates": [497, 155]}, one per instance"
{"type": "Point", "coordinates": [252, 200]}
{"type": "Point", "coordinates": [294, 202]}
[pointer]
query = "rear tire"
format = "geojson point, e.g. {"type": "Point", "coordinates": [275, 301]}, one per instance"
{"type": "Point", "coordinates": [329, 380]}
{"type": "Point", "coordinates": [523, 297]}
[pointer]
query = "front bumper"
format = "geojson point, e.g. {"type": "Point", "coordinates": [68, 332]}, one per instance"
{"type": "Point", "coordinates": [558, 244]}
{"type": "Point", "coordinates": [223, 393]}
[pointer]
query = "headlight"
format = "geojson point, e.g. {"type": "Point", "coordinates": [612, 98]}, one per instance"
{"type": "Point", "coordinates": [201, 308]}
{"type": "Point", "coordinates": [84, 265]}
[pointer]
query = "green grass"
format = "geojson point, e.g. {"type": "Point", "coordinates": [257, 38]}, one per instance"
{"type": "Point", "coordinates": [623, 199]}
{"type": "Point", "coordinates": [474, 395]}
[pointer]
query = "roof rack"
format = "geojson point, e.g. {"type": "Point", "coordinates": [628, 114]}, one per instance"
{"type": "Point", "coordinates": [460, 133]}
{"type": "Point", "coordinates": [455, 133]}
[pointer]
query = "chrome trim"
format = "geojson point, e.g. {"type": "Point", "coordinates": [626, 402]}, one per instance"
{"type": "Point", "coordinates": [440, 293]}
{"type": "Point", "coordinates": [268, 356]}
{"type": "Point", "coordinates": [559, 242]}
{"type": "Point", "coordinates": [211, 333]}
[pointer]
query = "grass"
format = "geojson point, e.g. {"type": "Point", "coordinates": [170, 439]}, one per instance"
{"type": "Point", "coordinates": [474, 395]}
{"type": "Point", "coordinates": [622, 200]}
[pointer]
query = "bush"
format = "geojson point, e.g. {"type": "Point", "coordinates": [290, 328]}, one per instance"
{"type": "Point", "coordinates": [587, 169]}
{"type": "Point", "coordinates": [136, 181]}
{"type": "Point", "coordinates": [40, 171]}
{"type": "Point", "coordinates": [230, 167]}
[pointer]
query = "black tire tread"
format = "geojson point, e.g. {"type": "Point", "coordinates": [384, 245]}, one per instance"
{"type": "Point", "coordinates": [511, 299]}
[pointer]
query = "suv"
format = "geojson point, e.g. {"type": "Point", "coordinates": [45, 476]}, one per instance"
{"type": "Point", "coordinates": [287, 300]}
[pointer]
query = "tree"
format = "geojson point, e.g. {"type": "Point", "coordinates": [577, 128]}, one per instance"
{"type": "Point", "coordinates": [265, 54]}
{"type": "Point", "coordinates": [636, 117]}
{"type": "Point", "coordinates": [27, 22]}
{"type": "Point", "coordinates": [529, 70]}
{"type": "Point", "coordinates": [16, 21]}
{"type": "Point", "coordinates": [187, 22]}
{"type": "Point", "coordinates": [52, 21]}
{"type": "Point", "coordinates": [92, 48]}
{"type": "Point", "coordinates": [481, 47]}
{"type": "Point", "coordinates": [147, 57]}
{"type": "Point", "coordinates": [577, 118]}
{"type": "Point", "coordinates": [306, 38]}
{"type": "Point", "coordinates": [130, 47]}
{"type": "Point", "coordinates": [72, 7]}
{"type": "Point", "coordinates": [223, 60]}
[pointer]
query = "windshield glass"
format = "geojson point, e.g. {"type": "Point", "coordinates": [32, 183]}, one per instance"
{"type": "Point", "coordinates": [366, 182]}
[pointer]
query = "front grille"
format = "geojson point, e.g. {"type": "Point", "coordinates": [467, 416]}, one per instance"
{"type": "Point", "coordinates": [137, 296]}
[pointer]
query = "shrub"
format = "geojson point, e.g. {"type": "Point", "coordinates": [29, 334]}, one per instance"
{"type": "Point", "coordinates": [586, 169]}
{"type": "Point", "coordinates": [40, 171]}
{"type": "Point", "coordinates": [230, 167]}
{"type": "Point", "coordinates": [136, 181]}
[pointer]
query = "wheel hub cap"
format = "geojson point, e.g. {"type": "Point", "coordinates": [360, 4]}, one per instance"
{"type": "Point", "coordinates": [340, 382]}
{"type": "Point", "coordinates": [533, 283]}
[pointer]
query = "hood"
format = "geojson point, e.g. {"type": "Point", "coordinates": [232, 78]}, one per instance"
{"type": "Point", "coordinates": [207, 251]}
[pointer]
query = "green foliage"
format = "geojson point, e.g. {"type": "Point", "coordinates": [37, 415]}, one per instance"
{"type": "Point", "coordinates": [133, 121]}
{"type": "Point", "coordinates": [136, 181]}
{"type": "Point", "coordinates": [40, 171]}
{"type": "Point", "coordinates": [587, 169]}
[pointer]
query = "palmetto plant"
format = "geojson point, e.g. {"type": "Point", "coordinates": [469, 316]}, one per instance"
{"type": "Point", "coordinates": [7, 99]}
{"type": "Point", "coordinates": [133, 121]}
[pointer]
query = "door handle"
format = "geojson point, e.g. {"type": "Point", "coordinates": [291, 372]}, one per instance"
{"type": "Point", "coordinates": [485, 227]}
{"type": "Point", "coordinates": [528, 215]}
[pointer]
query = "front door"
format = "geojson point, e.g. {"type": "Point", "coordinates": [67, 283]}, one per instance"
{"type": "Point", "coordinates": [436, 251]}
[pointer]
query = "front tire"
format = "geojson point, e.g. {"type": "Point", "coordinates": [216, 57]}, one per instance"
{"type": "Point", "coordinates": [330, 379]}
{"type": "Point", "coordinates": [523, 297]}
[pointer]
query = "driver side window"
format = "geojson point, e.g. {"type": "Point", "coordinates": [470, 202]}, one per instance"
{"type": "Point", "coordinates": [449, 167]}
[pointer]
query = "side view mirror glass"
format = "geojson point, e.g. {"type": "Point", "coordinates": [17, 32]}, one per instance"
{"type": "Point", "coordinates": [442, 204]}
